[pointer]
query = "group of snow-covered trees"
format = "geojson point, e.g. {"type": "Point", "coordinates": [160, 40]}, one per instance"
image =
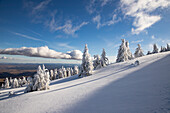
{"type": "Point", "coordinates": [63, 72]}
{"type": "Point", "coordinates": [14, 83]}
{"type": "Point", "coordinates": [41, 80]}
{"type": "Point", "coordinates": [88, 64]}
{"type": "Point", "coordinates": [156, 50]}
{"type": "Point", "coordinates": [125, 54]}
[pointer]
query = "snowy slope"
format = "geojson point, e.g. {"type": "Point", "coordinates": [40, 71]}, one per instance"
{"type": "Point", "coordinates": [118, 88]}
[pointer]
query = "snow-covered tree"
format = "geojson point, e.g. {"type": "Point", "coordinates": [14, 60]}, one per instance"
{"type": "Point", "coordinates": [138, 52]}
{"type": "Point", "coordinates": [6, 83]}
{"type": "Point", "coordinates": [15, 83]}
{"type": "Point", "coordinates": [163, 49]}
{"type": "Point", "coordinates": [104, 59]}
{"type": "Point", "coordinates": [19, 82]}
{"type": "Point", "coordinates": [41, 80]}
{"type": "Point", "coordinates": [122, 52]}
{"type": "Point", "coordinates": [10, 81]}
{"type": "Point", "coordinates": [155, 48]}
{"type": "Point", "coordinates": [24, 81]}
{"type": "Point", "coordinates": [68, 72]}
{"type": "Point", "coordinates": [87, 65]}
{"type": "Point", "coordinates": [76, 70]}
{"type": "Point", "coordinates": [60, 73]}
{"type": "Point", "coordinates": [64, 71]}
{"type": "Point", "coordinates": [97, 62]}
{"type": "Point", "coordinates": [130, 56]}
{"type": "Point", "coordinates": [168, 47]}
{"type": "Point", "coordinates": [29, 85]}
{"type": "Point", "coordinates": [71, 71]}
{"type": "Point", "coordinates": [51, 75]}
{"type": "Point", "coordinates": [55, 74]}
{"type": "Point", "coordinates": [2, 86]}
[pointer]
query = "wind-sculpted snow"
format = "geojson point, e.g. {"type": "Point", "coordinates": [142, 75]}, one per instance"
{"type": "Point", "coordinates": [43, 51]}
{"type": "Point", "coordinates": [116, 88]}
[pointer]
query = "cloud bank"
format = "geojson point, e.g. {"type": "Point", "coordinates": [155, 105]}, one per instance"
{"type": "Point", "coordinates": [43, 51]}
{"type": "Point", "coordinates": [141, 11]}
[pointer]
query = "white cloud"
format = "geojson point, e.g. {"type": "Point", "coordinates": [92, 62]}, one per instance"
{"type": "Point", "coordinates": [137, 41]}
{"type": "Point", "coordinates": [67, 28]}
{"type": "Point", "coordinates": [44, 52]}
{"type": "Point", "coordinates": [94, 5]}
{"type": "Point", "coordinates": [41, 6]}
{"type": "Point", "coordinates": [97, 20]}
{"type": "Point", "coordinates": [141, 10]}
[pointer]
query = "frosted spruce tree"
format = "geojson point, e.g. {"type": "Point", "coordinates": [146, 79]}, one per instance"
{"type": "Point", "coordinates": [29, 87]}
{"type": "Point", "coordinates": [163, 49]}
{"type": "Point", "coordinates": [122, 52]}
{"type": "Point", "coordinates": [87, 65]}
{"type": "Point", "coordinates": [10, 81]}
{"type": "Point", "coordinates": [97, 62]}
{"type": "Point", "coordinates": [41, 80]}
{"type": "Point", "coordinates": [24, 81]}
{"type": "Point", "coordinates": [71, 71]}
{"type": "Point", "coordinates": [51, 75]}
{"type": "Point", "coordinates": [60, 73]}
{"type": "Point", "coordinates": [68, 72]}
{"type": "Point", "coordinates": [104, 59]}
{"type": "Point", "coordinates": [155, 48]}
{"type": "Point", "coordinates": [130, 56]}
{"type": "Point", "coordinates": [6, 83]}
{"type": "Point", "coordinates": [168, 47]}
{"type": "Point", "coordinates": [64, 72]}
{"type": "Point", "coordinates": [15, 83]}
{"type": "Point", "coordinates": [55, 74]}
{"type": "Point", "coordinates": [76, 70]}
{"type": "Point", "coordinates": [19, 82]}
{"type": "Point", "coordinates": [138, 52]}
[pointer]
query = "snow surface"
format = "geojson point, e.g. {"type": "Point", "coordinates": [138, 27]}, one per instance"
{"type": "Point", "coordinates": [117, 88]}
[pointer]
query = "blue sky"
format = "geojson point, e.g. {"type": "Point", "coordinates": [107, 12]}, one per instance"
{"type": "Point", "coordinates": [66, 25]}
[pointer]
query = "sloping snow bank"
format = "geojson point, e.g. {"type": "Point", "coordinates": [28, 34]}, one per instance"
{"type": "Point", "coordinates": [118, 88]}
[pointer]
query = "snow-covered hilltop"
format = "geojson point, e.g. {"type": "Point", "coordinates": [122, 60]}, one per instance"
{"type": "Point", "coordinates": [117, 88]}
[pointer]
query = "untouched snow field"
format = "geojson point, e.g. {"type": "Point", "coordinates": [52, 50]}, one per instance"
{"type": "Point", "coordinates": [117, 88]}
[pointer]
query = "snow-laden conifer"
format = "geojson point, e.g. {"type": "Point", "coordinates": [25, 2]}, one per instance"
{"type": "Point", "coordinates": [138, 52]}
{"type": "Point", "coordinates": [15, 83]}
{"type": "Point", "coordinates": [68, 72]}
{"type": "Point", "coordinates": [87, 65]}
{"type": "Point", "coordinates": [6, 83]}
{"type": "Point", "coordinates": [19, 82]}
{"type": "Point", "coordinates": [104, 59]}
{"type": "Point", "coordinates": [155, 48]}
{"type": "Point", "coordinates": [97, 62]}
{"type": "Point", "coordinates": [55, 74]}
{"type": "Point", "coordinates": [41, 80]}
{"type": "Point", "coordinates": [51, 75]}
{"type": "Point", "coordinates": [60, 73]}
{"type": "Point", "coordinates": [122, 52]}
{"type": "Point", "coordinates": [64, 71]}
{"type": "Point", "coordinates": [76, 70]}
{"type": "Point", "coordinates": [24, 81]}
{"type": "Point", "coordinates": [168, 47]}
{"type": "Point", "coordinates": [130, 56]}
